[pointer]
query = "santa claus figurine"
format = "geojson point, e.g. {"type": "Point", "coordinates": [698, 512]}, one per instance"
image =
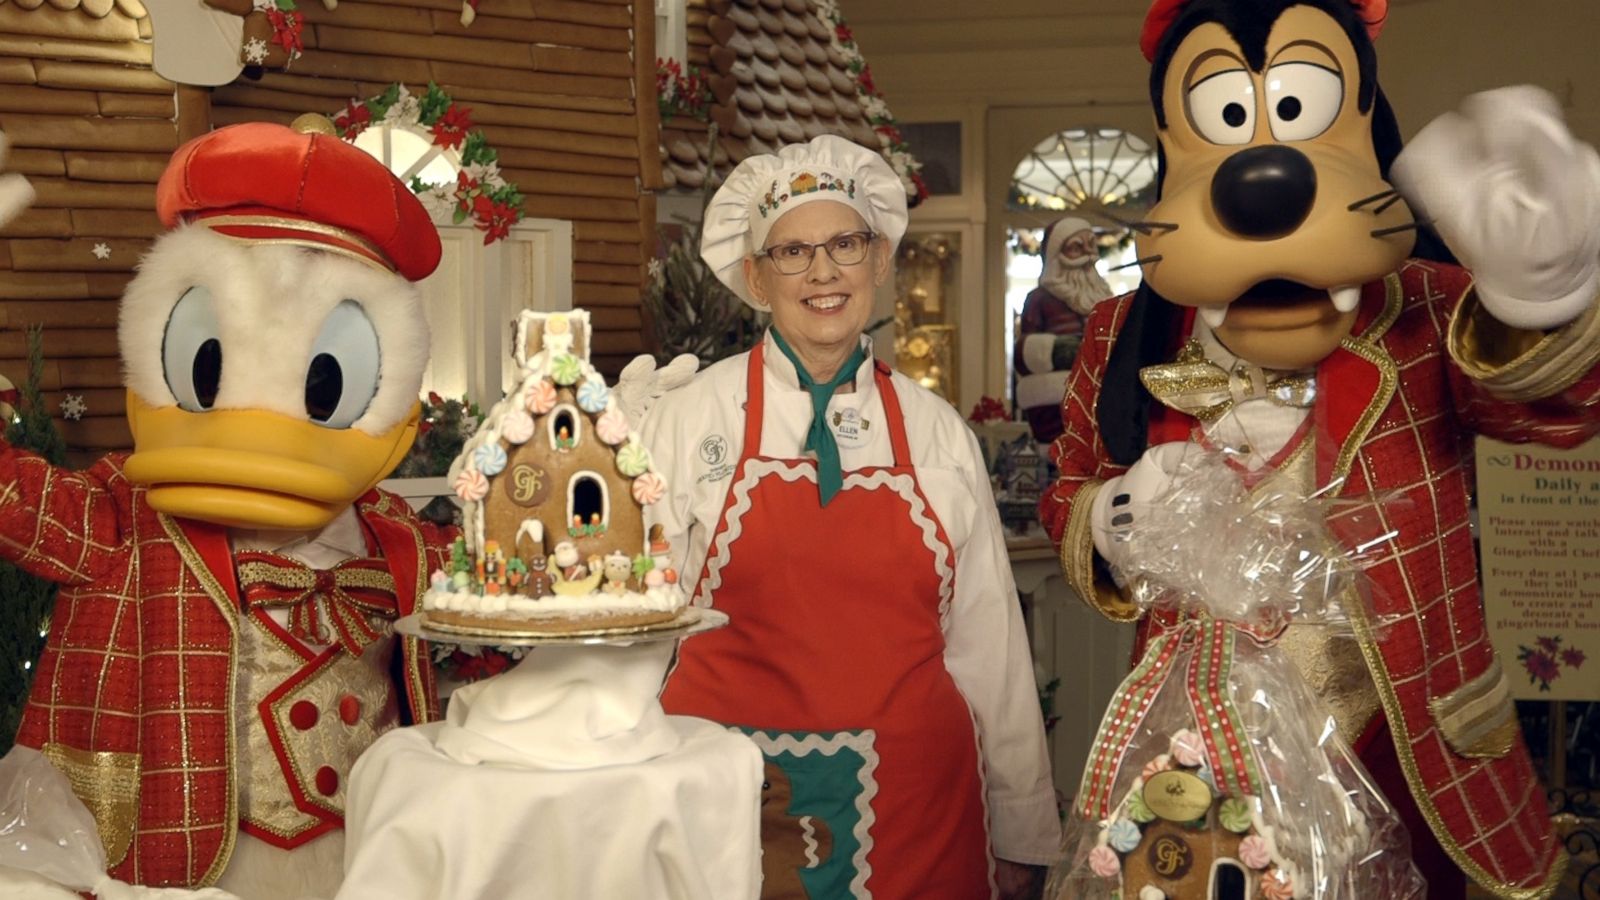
{"type": "Point", "coordinates": [221, 651]}
{"type": "Point", "coordinates": [1052, 322]}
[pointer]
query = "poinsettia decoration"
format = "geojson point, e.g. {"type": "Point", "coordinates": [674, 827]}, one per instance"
{"type": "Point", "coordinates": [480, 192]}
{"type": "Point", "coordinates": [680, 91]}
{"type": "Point", "coordinates": [877, 112]}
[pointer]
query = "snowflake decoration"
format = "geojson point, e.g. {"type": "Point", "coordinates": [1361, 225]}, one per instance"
{"type": "Point", "coordinates": [255, 51]}
{"type": "Point", "coordinates": [101, 250]}
{"type": "Point", "coordinates": [655, 269]}
{"type": "Point", "coordinates": [73, 407]}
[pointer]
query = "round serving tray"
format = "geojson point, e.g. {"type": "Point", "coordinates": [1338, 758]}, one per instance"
{"type": "Point", "coordinates": [693, 620]}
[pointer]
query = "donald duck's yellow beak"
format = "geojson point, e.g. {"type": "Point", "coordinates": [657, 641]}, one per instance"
{"type": "Point", "coordinates": [247, 468]}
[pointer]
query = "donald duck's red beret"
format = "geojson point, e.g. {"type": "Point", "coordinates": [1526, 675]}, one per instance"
{"type": "Point", "coordinates": [268, 183]}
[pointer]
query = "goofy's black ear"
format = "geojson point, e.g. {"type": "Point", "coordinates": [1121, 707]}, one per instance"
{"type": "Point", "coordinates": [1145, 339]}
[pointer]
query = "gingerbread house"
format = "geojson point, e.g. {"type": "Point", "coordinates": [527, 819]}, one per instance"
{"type": "Point", "coordinates": [1175, 836]}
{"type": "Point", "coordinates": [557, 463]}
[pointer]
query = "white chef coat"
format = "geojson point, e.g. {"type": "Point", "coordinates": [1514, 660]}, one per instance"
{"type": "Point", "coordinates": [695, 435]}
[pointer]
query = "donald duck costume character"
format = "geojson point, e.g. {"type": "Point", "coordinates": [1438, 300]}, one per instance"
{"type": "Point", "coordinates": [220, 651]}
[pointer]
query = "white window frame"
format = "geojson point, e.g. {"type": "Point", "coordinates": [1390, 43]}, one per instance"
{"type": "Point", "coordinates": [577, 425]}
{"type": "Point", "coordinates": [672, 31]}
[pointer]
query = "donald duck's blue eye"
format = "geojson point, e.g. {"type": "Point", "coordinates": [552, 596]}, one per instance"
{"type": "Point", "coordinates": [342, 377]}
{"type": "Point", "coordinates": [191, 351]}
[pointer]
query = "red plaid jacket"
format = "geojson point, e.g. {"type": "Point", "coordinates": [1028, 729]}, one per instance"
{"type": "Point", "coordinates": [134, 696]}
{"type": "Point", "coordinates": [1394, 415]}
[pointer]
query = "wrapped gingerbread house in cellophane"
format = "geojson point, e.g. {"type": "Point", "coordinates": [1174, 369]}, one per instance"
{"type": "Point", "coordinates": [1216, 773]}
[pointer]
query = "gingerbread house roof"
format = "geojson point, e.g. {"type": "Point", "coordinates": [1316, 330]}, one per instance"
{"type": "Point", "coordinates": [94, 9]}
{"type": "Point", "coordinates": [777, 76]}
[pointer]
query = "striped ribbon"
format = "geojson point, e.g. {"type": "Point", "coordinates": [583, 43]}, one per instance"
{"type": "Point", "coordinates": [1210, 646]}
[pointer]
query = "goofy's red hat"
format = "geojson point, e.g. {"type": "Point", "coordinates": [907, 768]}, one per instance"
{"type": "Point", "coordinates": [1164, 12]}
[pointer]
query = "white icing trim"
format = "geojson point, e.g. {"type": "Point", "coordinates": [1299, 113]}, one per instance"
{"type": "Point", "coordinates": [861, 742]}
{"type": "Point", "coordinates": [903, 484]}
{"type": "Point", "coordinates": [605, 495]}
{"type": "Point", "coordinates": [550, 424]}
{"type": "Point", "coordinates": [534, 529]}
{"type": "Point", "coordinates": [512, 607]}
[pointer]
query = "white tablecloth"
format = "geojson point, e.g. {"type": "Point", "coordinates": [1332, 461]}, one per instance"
{"type": "Point", "coordinates": [558, 779]}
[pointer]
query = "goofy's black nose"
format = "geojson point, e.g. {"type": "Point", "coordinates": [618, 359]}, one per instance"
{"type": "Point", "coordinates": [1264, 192]}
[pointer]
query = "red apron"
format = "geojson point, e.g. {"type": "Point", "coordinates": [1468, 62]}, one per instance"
{"type": "Point", "coordinates": [834, 665]}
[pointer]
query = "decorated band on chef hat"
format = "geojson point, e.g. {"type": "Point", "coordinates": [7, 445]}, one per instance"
{"type": "Point", "coordinates": [764, 188]}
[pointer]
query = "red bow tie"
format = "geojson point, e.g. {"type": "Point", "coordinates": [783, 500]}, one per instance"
{"type": "Point", "coordinates": [348, 593]}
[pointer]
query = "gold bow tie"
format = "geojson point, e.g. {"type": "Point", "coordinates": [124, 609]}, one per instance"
{"type": "Point", "coordinates": [1201, 388]}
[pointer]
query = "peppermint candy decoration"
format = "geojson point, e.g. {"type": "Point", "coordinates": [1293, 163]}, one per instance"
{"type": "Point", "coordinates": [490, 459]}
{"type": "Point", "coordinates": [648, 488]}
{"type": "Point", "coordinates": [1124, 836]}
{"type": "Point", "coordinates": [471, 485]}
{"type": "Point", "coordinates": [566, 370]}
{"type": "Point", "coordinates": [593, 396]}
{"type": "Point", "coordinates": [1156, 766]}
{"type": "Point", "coordinates": [1188, 749]}
{"type": "Point", "coordinates": [517, 427]}
{"type": "Point", "coordinates": [1275, 885]}
{"type": "Point", "coordinates": [542, 398]}
{"type": "Point", "coordinates": [1253, 852]}
{"type": "Point", "coordinates": [633, 460]}
{"type": "Point", "coordinates": [1103, 861]}
{"type": "Point", "coordinates": [612, 427]}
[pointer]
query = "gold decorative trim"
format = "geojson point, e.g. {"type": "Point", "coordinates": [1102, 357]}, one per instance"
{"type": "Point", "coordinates": [1394, 298]}
{"type": "Point", "coordinates": [219, 596]}
{"type": "Point", "coordinates": [108, 784]}
{"type": "Point", "coordinates": [1526, 365]}
{"type": "Point", "coordinates": [1401, 735]}
{"type": "Point", "coordinates": [288, 224]}
{"type": "Point", "coordinates": [1077, 559]}
{"type": "Point", "coordinates": [1388, 381]}
{"type": "Point", "coordinates": [1478, 719]}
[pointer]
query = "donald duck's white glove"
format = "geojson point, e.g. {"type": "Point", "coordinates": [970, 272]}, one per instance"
{"type": "Point", "coordinates": [640, 384]}
{"type": "Point", "coordinates": [1516, 198]}
{"type": "Point", "coordinates": [15, 191]}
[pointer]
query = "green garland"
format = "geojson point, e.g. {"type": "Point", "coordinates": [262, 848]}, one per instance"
{"type": "Point", "coordinates": [25, 600]}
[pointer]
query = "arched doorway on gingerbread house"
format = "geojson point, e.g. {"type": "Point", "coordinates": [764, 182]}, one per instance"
{"type": "Point", "coordinates": [1229, 881]}
{"type": "Point", "coordinates": [588, 502]}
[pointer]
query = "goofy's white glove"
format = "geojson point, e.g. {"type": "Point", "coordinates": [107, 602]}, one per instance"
{"type": "Point", "coordinates": [1123, 499]}
{"type": "Point", "coordinates": [15, 191]}
{"type": "Point", "coordinates": [1516, 198]}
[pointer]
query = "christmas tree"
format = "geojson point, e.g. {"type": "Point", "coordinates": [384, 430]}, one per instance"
{"type": "Point", "coordinates": [25, 600]}
{"type": "Point", "coordinates": [687, 308]}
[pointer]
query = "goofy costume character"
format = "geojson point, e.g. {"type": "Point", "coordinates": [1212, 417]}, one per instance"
{"type": "Point", "coordinates": [1290, 312]}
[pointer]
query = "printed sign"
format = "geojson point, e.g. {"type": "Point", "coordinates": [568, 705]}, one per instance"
{"type": "Point", "coordinates": [1539, 533]}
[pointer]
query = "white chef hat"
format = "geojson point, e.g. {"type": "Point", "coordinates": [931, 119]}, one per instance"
{"type": "Point", "coordinates": [763, 188]}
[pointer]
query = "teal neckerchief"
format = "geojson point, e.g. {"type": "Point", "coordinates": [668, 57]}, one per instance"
{"type": "Point", "coordinates": [819, 438]}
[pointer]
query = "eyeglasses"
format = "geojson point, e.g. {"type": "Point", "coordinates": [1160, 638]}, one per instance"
{"type": "Point", "coordinates": [847, 249]}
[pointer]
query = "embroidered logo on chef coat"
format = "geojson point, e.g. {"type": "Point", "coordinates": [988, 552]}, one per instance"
{"type": "Point", "coordinates": [714, 453]}
{"type": "Point", "coordinates": [850, 429]}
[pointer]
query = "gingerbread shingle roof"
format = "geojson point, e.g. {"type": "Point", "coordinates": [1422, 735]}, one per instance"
{"type": "Point", "coordinates": [776, 78]}
{"type": "Point", "coordinates": [96, 9]}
